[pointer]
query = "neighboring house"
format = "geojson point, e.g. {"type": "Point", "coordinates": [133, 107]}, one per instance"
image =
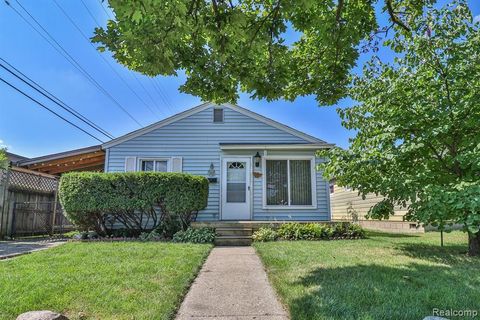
{"type": "Point", "coordinates": [258, 169]}
{"type": "Point", "coordinates": [347, 205]}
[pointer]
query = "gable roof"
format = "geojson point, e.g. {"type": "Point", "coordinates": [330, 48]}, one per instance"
{"type": "Point", "coordinates": [194, 110]}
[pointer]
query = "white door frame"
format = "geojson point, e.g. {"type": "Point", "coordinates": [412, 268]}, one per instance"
{"type": "Point", "coordinates": [223, 187]}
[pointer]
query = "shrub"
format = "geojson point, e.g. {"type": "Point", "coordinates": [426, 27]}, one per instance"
{"type": "Point", "coordinates": [310, 231]}
{"type": "Point", "coordinates": [154, 235]}
{"type": "Point", "coordinates": [265, 234]}
{"type": "Point", "coordinates": [200, 235]}
{"type": "Point", "coordinates": [137, 200]}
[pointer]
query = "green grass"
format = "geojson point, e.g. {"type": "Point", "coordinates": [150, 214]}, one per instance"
{"type": "Point", "coordinates": [123, 280]}
{"type": "Point", "coordinates": [383, 277]}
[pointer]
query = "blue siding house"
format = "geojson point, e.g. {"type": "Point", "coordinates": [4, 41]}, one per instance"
{"type": "Point", "coordinates": [258, 169]}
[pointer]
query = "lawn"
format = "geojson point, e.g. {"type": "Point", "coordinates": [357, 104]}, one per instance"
{"type": "Point", "coordinates": [383, 277]}
{"type": "Point", "coordinates": [123, 280]}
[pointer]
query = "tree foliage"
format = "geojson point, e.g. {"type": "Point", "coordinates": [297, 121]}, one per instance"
{"type": "Point", "coordinates": [225, 46]}
{"type": "Point", "coordinates": [3, 159]}
{"type": "Point", "coordinates": [417, 123]}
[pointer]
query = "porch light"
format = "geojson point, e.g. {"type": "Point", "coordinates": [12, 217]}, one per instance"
{"type": "Point", "coordinates": [257, 159]}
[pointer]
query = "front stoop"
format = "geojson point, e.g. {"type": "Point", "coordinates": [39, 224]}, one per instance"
{"type": "Point", "coordinates": [233, 236]}
{"type": "Point", "coordinates": [230, 233]}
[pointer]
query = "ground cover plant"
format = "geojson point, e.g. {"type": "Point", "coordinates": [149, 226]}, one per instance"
{"type": "Point", "coordinates": [310, 231]}
{"type": "Point", "coordinates": [385, 276]}
{"type": "Point", "coordinates": [128, 280]}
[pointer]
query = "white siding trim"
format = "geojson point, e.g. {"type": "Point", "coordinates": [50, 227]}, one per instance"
{"type": "Point", "coordinates": [312, 179]}
{"type": "Point", "coordinates": [300, 146]}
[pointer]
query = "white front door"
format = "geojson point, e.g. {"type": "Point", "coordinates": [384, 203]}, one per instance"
{"type": "Point", "coordinates": [236, 188]}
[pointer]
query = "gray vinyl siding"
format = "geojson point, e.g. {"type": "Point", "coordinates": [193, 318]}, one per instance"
{"type": "Point", "coordinates": [197, 140]}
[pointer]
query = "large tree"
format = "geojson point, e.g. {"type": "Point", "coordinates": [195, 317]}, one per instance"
{"type": "Point", "coordinates": [418, 125]}
{"type": "Point", "coordinates": [417, 140]}
{"type": "Point", "coordinates": [225, 46]}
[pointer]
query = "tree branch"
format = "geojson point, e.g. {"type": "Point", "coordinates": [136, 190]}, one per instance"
{"type": "Point", "coordinates": [394, 17]}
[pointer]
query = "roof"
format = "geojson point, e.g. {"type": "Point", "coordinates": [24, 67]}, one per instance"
{"type": "Point", "coordinates": [14, 158]}
{"type": "Point", "coordinates": [194, 110]}
{"type": "Point", "coordinates": [60, 155]}
{"type": "Point", "coordinates": [89, 158]}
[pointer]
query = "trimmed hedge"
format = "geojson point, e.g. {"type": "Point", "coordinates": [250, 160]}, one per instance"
{"type": "Point", "coordinates": [138, 200]}
{"type": "Point", "coordinates": [310, 231]}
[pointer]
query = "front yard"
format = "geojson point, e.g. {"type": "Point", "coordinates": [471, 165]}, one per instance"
{"type": "Point", "coordinates": [129, 280]}
{"type": "Point", "coordinates": [383, 277]}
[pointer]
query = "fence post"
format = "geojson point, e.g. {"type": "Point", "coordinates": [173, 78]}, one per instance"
{"type": "Point", "coordinates": [5, 205]}
{"type": "Point", "coordinates": [55, 201]}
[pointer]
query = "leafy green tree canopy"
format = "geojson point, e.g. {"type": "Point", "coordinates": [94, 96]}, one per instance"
{"type": "Point", "coordinates": [227, 46]}
{"type": "Point", "coordinates": [417, 122]}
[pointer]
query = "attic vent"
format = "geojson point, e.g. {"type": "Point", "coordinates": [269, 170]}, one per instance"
{"type": "Point", "coordinates": [217, 115]}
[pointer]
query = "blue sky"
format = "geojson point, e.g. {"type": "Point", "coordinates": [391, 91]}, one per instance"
{"type": "Point", "coordinates": [29, 130]}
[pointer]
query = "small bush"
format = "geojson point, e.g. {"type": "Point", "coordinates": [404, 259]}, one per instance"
{"type": "Point", "coordinates": [200, 235]}
{"type": "Point", "coordinates": [310, 231]}
{"type": "Point", "coordinates": [265, 234]}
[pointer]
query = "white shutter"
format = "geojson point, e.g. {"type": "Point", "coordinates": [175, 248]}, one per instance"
{"type": "Point", "coordinates": [130, 164]}
{"type": "Point", "coordinates": [177, 164]}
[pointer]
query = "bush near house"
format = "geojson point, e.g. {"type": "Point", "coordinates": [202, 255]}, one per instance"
{"type": "Point", "coordinates": [200, 235]}
{"type": "Point", "coordinates": [310, 231]}
{"type": "Point", "coordinates": [138, 201]}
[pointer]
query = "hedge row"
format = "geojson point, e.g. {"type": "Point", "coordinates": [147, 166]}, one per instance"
{"type": "Point", "coordinates": [137, 200]}
{"type": "Point", "coordinates": [310, 231]}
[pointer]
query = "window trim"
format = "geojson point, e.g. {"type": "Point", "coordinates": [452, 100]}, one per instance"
{"type": "Point", "coordinates": [213, 116]}
{"type": "Point", "coordinates": [289, 206]}
{"type": "Point", "coordinates": [168, 160]}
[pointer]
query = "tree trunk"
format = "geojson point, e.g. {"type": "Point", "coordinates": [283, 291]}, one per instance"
{"type": "Point", "coordinates": [474, 244]}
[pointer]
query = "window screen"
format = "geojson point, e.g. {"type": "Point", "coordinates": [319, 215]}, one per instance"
{"type": "Point", "coordinates": [288, 183]}
{"type": "Point", "coordinates": [154, 165]}
{"type": "Point", "coordinates": [217, 115]}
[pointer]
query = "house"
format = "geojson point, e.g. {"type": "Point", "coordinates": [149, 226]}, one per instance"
{"type": "Point", "coordinates": [258, 169]}
{"type": "Point", "coordinates": [347, 205]}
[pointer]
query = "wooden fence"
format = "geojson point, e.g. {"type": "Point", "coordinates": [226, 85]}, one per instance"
{"type": "Point", "coordinates": [29, 204]}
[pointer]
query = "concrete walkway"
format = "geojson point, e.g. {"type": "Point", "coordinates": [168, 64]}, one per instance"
{"type": "Point", "coordinates": [10, 249]}
{"type": "Point", "coordinates": [232, 285]}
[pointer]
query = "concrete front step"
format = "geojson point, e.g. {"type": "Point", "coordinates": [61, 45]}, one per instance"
{"type": "Point", "coordinates": [234, 231]}
{"type": "Point", "coordinates": [233, 240]}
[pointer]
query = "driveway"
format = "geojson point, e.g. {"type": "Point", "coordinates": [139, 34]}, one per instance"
{"type": "Point", "coordinates": [10, 249]}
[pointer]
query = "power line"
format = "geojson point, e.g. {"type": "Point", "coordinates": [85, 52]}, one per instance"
{"type": "Point", "coordinates": [109, 15]}
{"type": "Point", "coordinates": [103, 58]}
{"type": "Point", "coordinates": [69, 58]}
{"type": "Point", "coordinates": [162, 95]}
{"type": "Point", "coordinates": [53, 98]}
{"type": "Point", "coordinates": [145, 89]}
{"type": "Point", "coordinates": [50, 110]}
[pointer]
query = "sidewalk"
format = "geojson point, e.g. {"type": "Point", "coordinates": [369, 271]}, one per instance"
{"type": "Point", "coordinates": [232, 285]}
